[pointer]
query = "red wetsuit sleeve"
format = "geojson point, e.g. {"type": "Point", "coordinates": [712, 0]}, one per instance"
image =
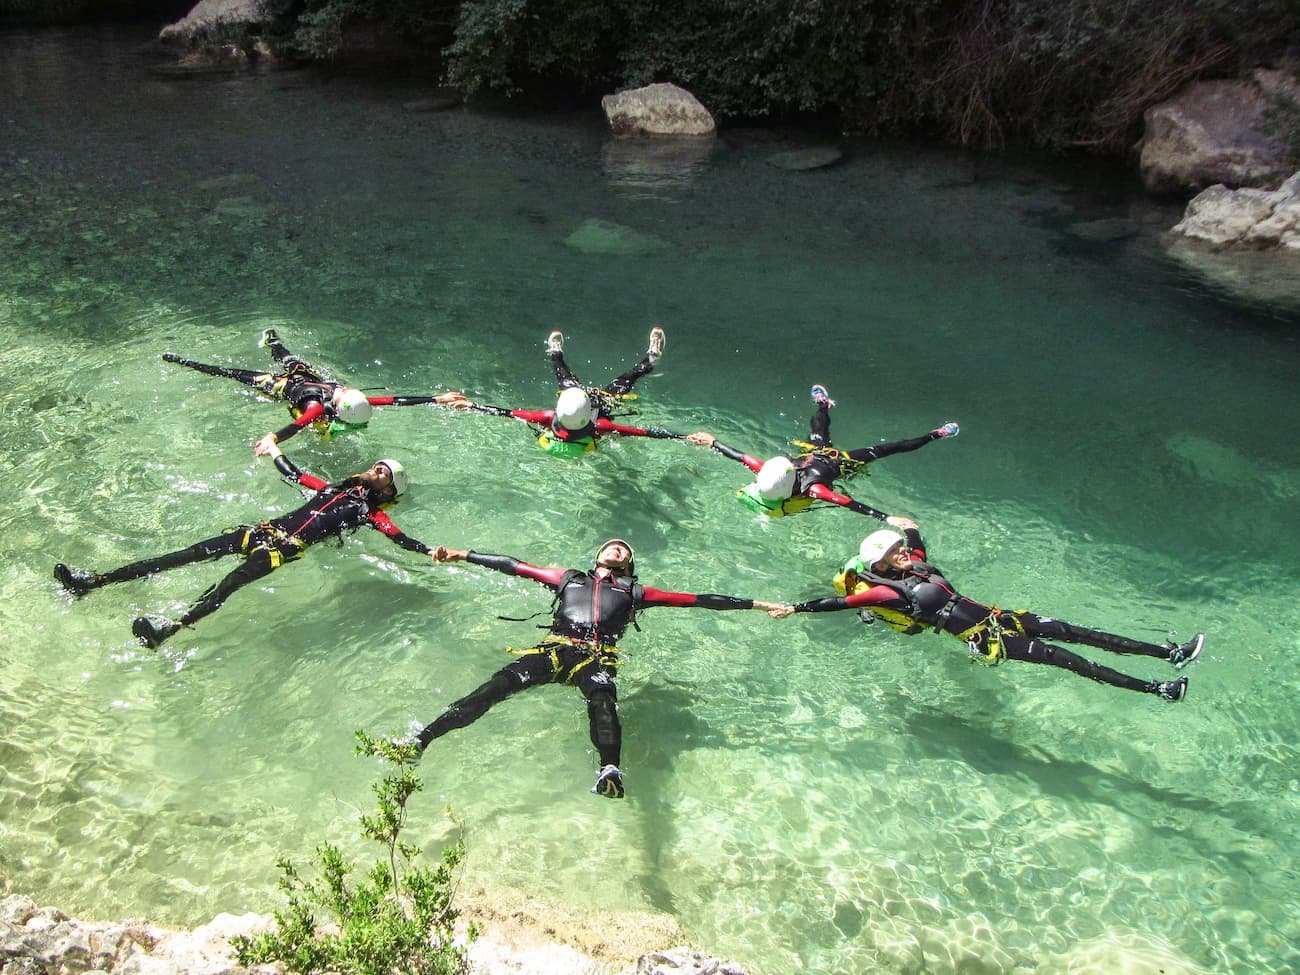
{"type": "Point", "coordinates": [296, 474]}
{"type": "Point", "coordinates": [546, 575]}
{"type": "Point", "coordinates": [823, 493]}
{"type": "Point", "coordinates": [313, 412]}
{"type": "Point", "coordinates": [380, 521]}
{"type": "Point", "coordinates": [659, 597]}
{"type": "Point", "coordinates": [731, 453]}
{"type": "Point", "coordinates": [875, 596]}
{"type": "Point", "coordinates": [915, 544]}
{"type": "Point", "coordinates": [534, 416]}
{"type": "Point", "coordinates": [609, 426]}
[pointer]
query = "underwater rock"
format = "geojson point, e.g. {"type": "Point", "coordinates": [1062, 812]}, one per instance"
{"type": "Point", "coordinates": [816, 157]}
{"type": "Point", "coordinates": [603, 237]}
{"type": "Point", "coordinates": [1104, 231]}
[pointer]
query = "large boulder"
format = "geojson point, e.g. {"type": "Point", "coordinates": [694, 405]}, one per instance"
{"type": "Point", "coordinates": [1244, 242]}
{"type": "Point", "coordinates": [1214, 132]}
{"type": "Point", "coordinates": [209, 16]}
{"type": "Point", "coordinates": [1224, 217]}
{"type": "Point", "coordinates": [657, 110]}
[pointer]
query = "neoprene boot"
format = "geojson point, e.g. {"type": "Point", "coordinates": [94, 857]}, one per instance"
{"type": "Point", "coordinates": [77, 581]}
{"type": "Point", "coordinates": [153, 630]}
{"type": "Point", "coordinates": [1181, 656]}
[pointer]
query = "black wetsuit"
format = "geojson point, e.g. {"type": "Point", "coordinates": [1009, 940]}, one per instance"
{"type": "Point", "coordinates": [920, 598]}
{"type": "Point", "coordinates": [590, 616]}
{"type": "Point", "coordinates": [332, 511]}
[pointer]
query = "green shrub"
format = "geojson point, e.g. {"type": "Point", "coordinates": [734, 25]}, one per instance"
{"type": "Point", "coordinates": [398, 918]}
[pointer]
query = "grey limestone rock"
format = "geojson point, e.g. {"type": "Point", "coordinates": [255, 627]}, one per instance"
{"type": "Point", "coordinates": [657, 110]}
{"type": "Point", "coordinates": [1214, 132]}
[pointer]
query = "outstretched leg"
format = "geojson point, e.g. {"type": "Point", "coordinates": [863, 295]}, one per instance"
{"type": "Point", "coordinates": [246, 376]}
{"type": "Point", "coordinates": [1034, 651]}
{"type": "Point", "coordinates": [81, 580]}
{"type": "Point", "coordinates": [260, 562]}
{"type": "Point", "coordinates": [292, 364]}
{"type": "Point", "coordinates": [624, 383]}
{"type": "Point", "coordinates": [563, 374]}
{"type": "Point", "coordinates": [1040, 626]}
{"type": "Point", "coordinates": [819, 427]}
{"type": "Point", "coordinates": [535, 668]}
{"type": "Point", "coordinates": [865, 454]}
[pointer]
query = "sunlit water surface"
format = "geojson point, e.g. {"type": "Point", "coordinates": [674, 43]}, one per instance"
{"type": "Point", "coordinates": [804, 795]}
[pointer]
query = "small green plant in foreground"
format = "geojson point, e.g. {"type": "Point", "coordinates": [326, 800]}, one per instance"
{"type": "Point", "coordinates": [397, 919]}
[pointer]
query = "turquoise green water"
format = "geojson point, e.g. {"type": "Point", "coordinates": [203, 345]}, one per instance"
{"type": "Point", "coordinates": [804, 795]}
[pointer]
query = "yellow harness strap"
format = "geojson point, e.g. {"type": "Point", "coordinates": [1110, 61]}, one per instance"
{"type": "Point", "coordinates": [605, 655]}
{"type": "Point", "coordinates": [278, 556]}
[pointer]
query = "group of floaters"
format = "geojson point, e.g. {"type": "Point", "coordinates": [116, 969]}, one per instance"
{"type": "Point", "coordinates": [889, 579]}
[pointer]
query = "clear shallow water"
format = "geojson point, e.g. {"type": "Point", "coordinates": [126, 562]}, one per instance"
{"type": "Point", "coordinates": [804, 795]}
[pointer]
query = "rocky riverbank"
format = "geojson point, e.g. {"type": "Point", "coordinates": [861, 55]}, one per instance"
{"type": "Point", "coordinates": [517, 939]}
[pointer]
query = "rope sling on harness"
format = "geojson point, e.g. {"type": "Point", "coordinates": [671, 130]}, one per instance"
{"type": "Point", "coordinates": [985, 638]}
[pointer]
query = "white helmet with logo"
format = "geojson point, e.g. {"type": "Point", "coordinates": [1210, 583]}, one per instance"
{"type": "Point", "coordinates": [400, 481]}
{"type": "Point", "coordinates": [875, 545]}
{"type": "Point", "coordinates": [776, 479]}
{"type": "Point", "coordinates": [351, 406]}
{"type": "Point", "coordinates": [573, 408]}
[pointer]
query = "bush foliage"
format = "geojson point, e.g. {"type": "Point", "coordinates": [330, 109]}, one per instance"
{"type": "Point", "coordinates": [1051, 73]}
{"type": "Point", "coordinates": [398, 918]}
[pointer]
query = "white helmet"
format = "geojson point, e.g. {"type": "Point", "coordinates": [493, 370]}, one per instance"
{"type": "Point", "coordinates": [573, 408]}
{"type": "Point", "coordinates": [400, 481]}
{"type": "Point", "coordinates": [351, 406]}
{"type": "Point", "coordinates": [776, 479]}
{"type": "Point", "coordinates": [875, 545]}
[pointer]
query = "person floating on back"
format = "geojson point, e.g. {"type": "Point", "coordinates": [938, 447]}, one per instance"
{"type": "Point", "coordinates": [592, 609]}
{"type": "Point", "coordinates": [582, 414]}
{"type": "Point", "coordinates": [786, 486]}
{"type": "Point", "coordinates": [323, 404]}
{"type": "Point", "coordinates": [890, 580]}
{"type": "Point", "coordinates": [264, 547]}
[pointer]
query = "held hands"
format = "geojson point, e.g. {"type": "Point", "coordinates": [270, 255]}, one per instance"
{"type": "Point", "coordinates": [701, 439]}
{"type": "Point", "coordinates": [775, 610]}
{"type": "Point", "coordinates": [456, 400]}
{"type": "Point", "coordinates": [444, 554]}
{"type": "Point", "coordinates": [899, 521]}
{"type": "Point", "coordinates": [268, 446]}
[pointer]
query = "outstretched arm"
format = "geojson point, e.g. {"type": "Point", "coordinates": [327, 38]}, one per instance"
{"type": "Point", "coordinates": [456, 399]}
{"type": "Point", "coordinates": [380, 521]}
{"type": "Point", "coordinates": [661, 597]}
{"type": "Point", "coordinates": [824, 493]}
{"type": "Point", "coordinates": [550, 576]}
{"type": "Point", "coordinates": [875, 596]}
{"type": "Point", "coordinates": [292, 472]}
{"type": "Point", "coordinates": [658, 433]}
{"type": "Point", "coordinates": [706, 439]}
